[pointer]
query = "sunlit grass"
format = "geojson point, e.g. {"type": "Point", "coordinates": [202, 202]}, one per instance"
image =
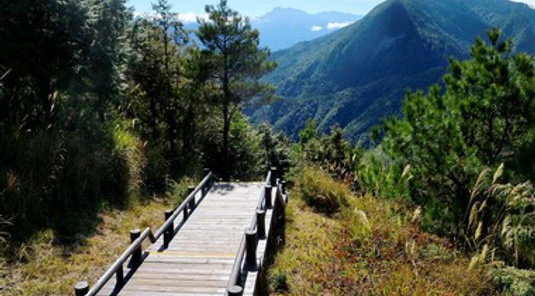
{"type": "Point", "coordinates": [42, 267]}
{"type": "Point", "coordinates": [370, 247]}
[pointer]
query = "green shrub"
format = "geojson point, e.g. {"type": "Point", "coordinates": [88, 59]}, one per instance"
{"type": "Point", "coordinates": [320, 191]}
{"type": "Point", "coordinates": [46, 173]}
{"type": "Point", "coordinates": [178, 191]}
{"type": "Point", "coordinates": [278, 280]}
{"type": "Point", "coordinates": [481, 116]}
{"type": "Point", "coordinates": [511, 281]}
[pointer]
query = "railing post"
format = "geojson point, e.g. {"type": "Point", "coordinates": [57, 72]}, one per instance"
{"type": "Point", "coordinates": [168, 233]}
{"type": "Point", "coordinates": [204, 188]}
{"type": "Point", "coordinates": [191, 205]}
{"type": "Point", "coordinates": [185, 212]}
{"type": "Point", "coordinates": [273, 176]}
{"type": "Point", "coordinates": [267, 196]}
{"type": "Point", "coordinates": [251, 243]}
{"type": "Point", "coordinates": [235, 291]}
{"type": "Point", "coordinates": [81, 288]}
{"type": "Point", "coordinates": [261, 223]}
{"type": "Point", "coordinates": [136, 255]}
{"type": "Point", "coordinates": [119, 278]}
{"type": "Point", "coordinates": [283, 187]}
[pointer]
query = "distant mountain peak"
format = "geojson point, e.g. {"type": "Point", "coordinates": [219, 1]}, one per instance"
{"type": "Point", "coordinates": [283, 27]}
{"type": "Point", "coordinates": [357, 75]}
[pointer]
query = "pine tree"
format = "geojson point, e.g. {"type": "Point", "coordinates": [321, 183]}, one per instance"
{"type": "Point", "coordinates": [236, 64]}
{"type": "Point", "coordinates": [483, 118]}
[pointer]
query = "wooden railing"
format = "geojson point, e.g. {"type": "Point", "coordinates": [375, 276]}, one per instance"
{"type": "Point", "coordinates": [246, 256]}
{"type": "Point", "coordinates": [134, 250]}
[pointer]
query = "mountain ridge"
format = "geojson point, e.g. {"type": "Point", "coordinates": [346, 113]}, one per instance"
{"type": "Point", "coordinates": [285, 27]}
{"type": "Point", "coordinates": [358, 75]}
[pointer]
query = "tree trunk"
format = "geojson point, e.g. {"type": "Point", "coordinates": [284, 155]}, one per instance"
{"type": "Point", "coordinates": [226, 131]}
{"type": "Point", "coordinates": [226, 122]}
{"type": "Point", "coordinates": [153, 119]}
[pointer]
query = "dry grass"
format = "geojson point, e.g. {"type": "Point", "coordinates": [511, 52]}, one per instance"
{"type": "Point", "coordinates": [42, 267]}
{"type": "Point", "coordinates": [369, 248]}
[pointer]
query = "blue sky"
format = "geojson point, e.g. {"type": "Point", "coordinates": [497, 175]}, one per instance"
{"type": "Point", "coordinates": [255, 8]}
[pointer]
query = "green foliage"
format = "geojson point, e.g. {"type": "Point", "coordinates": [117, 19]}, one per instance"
{"type": "Point", "coordinates": [308, 133]}
{"type": "Point", "coordinates": [42, 42]}
{"type": "Point", "coordinates": [481, 118]}
{"type": "Point", "coordinates": [514, 282]}
{"type": "Point", "coordinates": [439, 155]}
{"type": "Point", "coordinates": [320, 191]}
{"type": "Point", "coordinates": [64, 147]}
{"type": "Point", "coordinates": [358, 75]}
{"type": "Point", "coordinates": [275, 149]}
{"type": "Point", "coordinates": [331, 152]}
{"type": "Point", "coordinates": [178, 191]}
{"type": "Point", "coordinates": [251, 150]}
{"type": "Point", "coordinates": [97, 109]}
{"type": "Point", "coordinates": [376, 173]}
{"type": "Point", "coordinates": [162, 100]}
{"type": "Point", "coordinates": [236, 64]}
{"type": "Point", "coordinates": [245, 151]}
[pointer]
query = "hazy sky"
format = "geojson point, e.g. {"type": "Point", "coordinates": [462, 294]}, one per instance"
{"type": "Point", "coordinates": [254, 8]}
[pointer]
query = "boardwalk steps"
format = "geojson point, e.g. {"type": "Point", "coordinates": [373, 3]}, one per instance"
{"type": "Point", "coordinates": [206, 253]}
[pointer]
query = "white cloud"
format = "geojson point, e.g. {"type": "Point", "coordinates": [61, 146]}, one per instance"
{"type": "Point", "coordinates": [190, 17]}
{"type": "Point", "coordinates": [316, 28]}
{"type": "Point", "coordinates": [529, 2]}
{"type": "Point", "coordinates": [147, 15]}
{"type": "Point", "coordinates": [186, 18]}
{"type": "Point", "coordinates": [331, 26]}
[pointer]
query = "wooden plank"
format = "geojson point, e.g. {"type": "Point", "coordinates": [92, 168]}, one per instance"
{"type": "Point", "coordinates": [199, 259]}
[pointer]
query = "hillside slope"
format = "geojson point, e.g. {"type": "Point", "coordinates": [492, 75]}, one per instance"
{"type": "Point", "coordinates": [358, 75]}
{"type": "Point", "coordinates": [369, 246]}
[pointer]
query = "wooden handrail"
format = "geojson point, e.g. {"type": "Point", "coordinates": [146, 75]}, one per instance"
{"type": "Point", "coordinates": [207, 181]}
{"type": "Point", "coordinates": [82, 288]}
{"type": "Point", "coordinates": [233, 287]}
{"type": "Point", "coordinates": [122, 259]}
{"type": "Point", "coordinates": [235, 274]}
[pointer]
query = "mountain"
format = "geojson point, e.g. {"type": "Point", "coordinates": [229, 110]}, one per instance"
{"type": "Point", "coordinates": [284, 27]}
{"type": "Point", "coordinates": [357, 75]}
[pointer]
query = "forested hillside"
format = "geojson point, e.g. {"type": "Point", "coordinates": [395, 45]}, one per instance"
{"type": "Point", "coordinates": [460, 157]}
{"type": "Point", "coordinates": [98, 109]}
{"type": "Point", "coordinates": [106, 119]}
{"type": "Point", "coordinates": [356, 76]}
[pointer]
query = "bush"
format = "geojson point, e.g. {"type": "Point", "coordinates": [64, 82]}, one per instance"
{"type": "Point", "coordinates": [482, 116]}
{"type": "Point", "coordinates": [511, 281]}
{"type": "Point", "coordinates": [321, 192]}
{"type": "Point", "coordinates": [46, 173]}
{"type": "Point", "coordinates": [178, 191]}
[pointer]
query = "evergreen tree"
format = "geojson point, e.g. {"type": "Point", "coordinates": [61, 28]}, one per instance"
{"type": "Point", "coordinates": [484, 117]}
{"type": "Point", "coordinates": [161, 87]}
{"type": "Point", "coordinates": [109, 23]}
{"type": "Point", "coordinates": [43, 43]}
{"type": "Point", "coordinates": [236, 64]}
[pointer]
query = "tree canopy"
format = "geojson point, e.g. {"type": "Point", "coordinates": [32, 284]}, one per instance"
{"type": "Point", "coordinates": [236, 64]}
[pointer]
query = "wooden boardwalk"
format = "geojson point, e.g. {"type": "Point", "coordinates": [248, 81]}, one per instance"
{"type": "Point", "coordinates": [199, 259]}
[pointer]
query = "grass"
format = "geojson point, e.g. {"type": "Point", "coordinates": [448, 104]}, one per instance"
{"type": "Point", "coordinates": [42, 266]}
{"type": "Point", "coordinates": [370, 247]}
